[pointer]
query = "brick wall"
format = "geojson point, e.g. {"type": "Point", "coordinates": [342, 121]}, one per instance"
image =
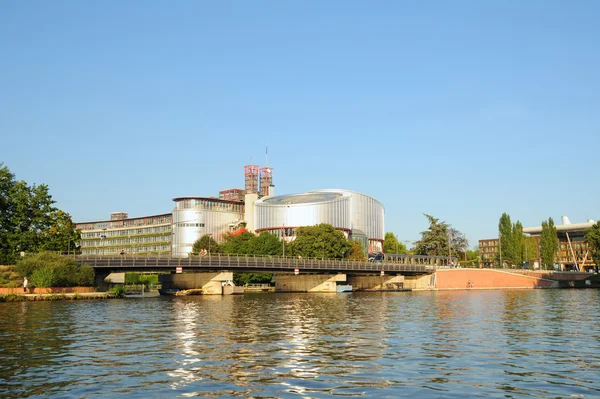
{"type": "Point", "coordinates": [487, 278]}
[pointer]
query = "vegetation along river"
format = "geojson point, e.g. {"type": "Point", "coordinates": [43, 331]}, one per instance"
{"type": "Point", "coordinates": [454, 344]}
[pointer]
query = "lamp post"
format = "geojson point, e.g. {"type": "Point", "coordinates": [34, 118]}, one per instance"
{"type": "Point", "coordinates": [209, 237]}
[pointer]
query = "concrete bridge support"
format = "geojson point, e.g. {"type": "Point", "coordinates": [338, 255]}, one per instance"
{"type": "Point", "coordinates": [100, 280]}
{"type": "Point", "coordinates": [376, 283]}
{"type": "Point", "coordinates": [209, 282]}
{"type": "Point", "coordinates": [307, 282]}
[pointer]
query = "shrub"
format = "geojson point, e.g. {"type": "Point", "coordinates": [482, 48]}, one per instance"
{"type": "Point", "coordinates": [43, 277]}
{"type": "Point", "coordinates": [118, 290]}
{"type": "Point", "coordinates": [52, 270]}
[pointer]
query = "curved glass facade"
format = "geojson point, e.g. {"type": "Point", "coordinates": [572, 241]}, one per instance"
{"type": "Point", "coordinates": [195, 217]}
{"type": "Point", "coordinates": [343, 209]}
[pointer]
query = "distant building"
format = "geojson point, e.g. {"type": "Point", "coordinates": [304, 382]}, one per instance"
{"type": "Point", "coordinates": [573, 252]}
{"type": "Point", "coordinates": [143, 235]}
{"type": "Point", "coordinates": [194, 217]}
{"type": "Point", "coordinates": [254, 208]}
{"type": "Point", "coordinates": [359, 216]}
{"type": "Point", "coordinates": [488, 249]}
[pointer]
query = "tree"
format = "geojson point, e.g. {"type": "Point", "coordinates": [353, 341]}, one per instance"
{"type": "Point", "coordinates": [239, 244]}
{"type": "Point", "coordinates": [47, 269]}
{"type": "Point", "coordinates": [28, 220]}
{"type": "Point", "coordinates": [391, 245]}
{"type": "Point", "coordinates": [357, 251]}
{"type": "Point", "coordinates": [512, 241]}
{"type": "Point", "coordinates": [548, 244]}
{"type": "Point", "coordinates": [62, 235]}
{"type": "Point", "coordinates": [433, 241]}
{"type": "Point", "coordinates": [205, 242]}
{"type": "Point", "coordinates": [592, 236]}
{"type": "Point", "coordinates": [320, 241]}
{"type": "Point", "coordinates": [266, 244]}
{"type": "Point", "coordinates": [531, 248]}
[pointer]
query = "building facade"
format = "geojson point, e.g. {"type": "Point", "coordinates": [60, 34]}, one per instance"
{"type": "Point", "coordinates": [360, 217]}
{"type": "Point", "coordinates": [573, 252]}
{"type": "Point", "coordinates": [194, 217]}
{"type": "Point", "coordinates": [143, 235]}
{"type": "Point", "coordinates": [488, 248]}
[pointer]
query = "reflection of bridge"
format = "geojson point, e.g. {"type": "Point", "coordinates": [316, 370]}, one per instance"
{"type": "Point", "coordinates": [400, 264]}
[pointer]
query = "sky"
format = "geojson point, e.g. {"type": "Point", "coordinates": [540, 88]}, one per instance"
{"type": "Point", "coordinates": [459, 109]}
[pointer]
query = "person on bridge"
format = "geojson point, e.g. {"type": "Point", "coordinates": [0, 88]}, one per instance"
{"type": "Point", "coordinates": [25, 284]}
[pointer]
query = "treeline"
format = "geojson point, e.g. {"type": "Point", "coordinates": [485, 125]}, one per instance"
{"type": "Point", "coordinates": [319, 241]}
{"type": "Point", "coordinates": [514, 248]}
{"type": "Point", "coordinates": [29, 222]}
{"type": "Point", "coordinates": [48, 269]}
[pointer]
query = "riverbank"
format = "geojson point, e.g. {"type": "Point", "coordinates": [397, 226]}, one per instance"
{"type": "Point", "coordinates": [56, 296]}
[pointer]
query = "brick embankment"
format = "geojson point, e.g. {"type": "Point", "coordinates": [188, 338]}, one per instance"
{"type": "Point", "coordinates": [51, 290]}
{"type": "Point", "coordinates": [452, 279]}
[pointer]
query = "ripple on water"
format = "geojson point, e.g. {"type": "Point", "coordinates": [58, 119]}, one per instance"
{"type": "Point", "coordinates": [536, 344]}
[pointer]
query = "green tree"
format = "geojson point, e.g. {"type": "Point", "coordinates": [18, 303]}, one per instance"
{"type": "Point", "coordinates": [434, 241]}
{"type": "Point", "coordinates": [240, 244]}
{"type": "Point", "coordinates": [266, 244]}
{"type": "Point", "coordinates": [47, 269]}
{"type": "Point", "coordinates": [28, 220]}
{"type": "Point", "coordinates": [357, 251]}
{"type": "Point", "coordinates": [320, 241]}
{"type": "Point", "coordinates": [531, 248]}
{"type": "Point", "coordinates": [512, 241]}
{"type": "Point", "coordinates": [62, 235]}
{"type": "Point", "coordinates": [205, 242]}
{"type": "Point", "coordinates": [472, 257]}
{"type": "Point", "coordinates": [252, 278]}
{"type": "Point", "coordinates": [592, 236]}
{"type": "Point", "coordinates": [548, 244]}
{"type": "Point", "coordinates": [391, 245]}
{"type": "Point", "coordinates": [440, 240]}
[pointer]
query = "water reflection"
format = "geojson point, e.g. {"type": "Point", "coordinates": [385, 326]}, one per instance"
{"type": "Point", "coordinates": [534, 343]}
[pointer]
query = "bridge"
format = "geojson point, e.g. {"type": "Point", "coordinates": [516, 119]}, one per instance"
{"type": "Point", "coordinates": [405, 264]}
{"type": "Point", "coordinates": [211, 274]}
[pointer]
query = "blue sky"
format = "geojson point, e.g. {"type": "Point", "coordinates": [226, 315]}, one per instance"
{"type": "Point", "coordinates": [459, 109]}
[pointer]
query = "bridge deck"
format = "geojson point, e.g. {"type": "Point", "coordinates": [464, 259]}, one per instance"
{"type": "Point", "coordinates": [407, 264]}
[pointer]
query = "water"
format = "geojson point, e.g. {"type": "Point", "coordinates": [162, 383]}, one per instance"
{"type": "Point", "coordinates": [511, 344]}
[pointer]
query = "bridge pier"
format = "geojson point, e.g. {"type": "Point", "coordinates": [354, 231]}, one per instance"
{"type": "Point", "coordinates": [376, 283]}
{"type": "Point", "coordinates": [211, 283]}
{"type": "Point", "coordinates": [307, 282]}
{"type": "Point", "coordinates": [99, 280]}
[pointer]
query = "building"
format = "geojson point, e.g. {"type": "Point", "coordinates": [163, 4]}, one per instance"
{"type": "Point", "coordinates": [573, 251]}
{"type": "Point", "coordinates": [232, 194]}
{"type": "Point", "coordinates": [143, 235]}
{"type": "Point", "coordinates": [488, 248]}
{"type": "Point", "coordinates": [194, 217]}
{"type": "Point", "coordinates": [255, 208]}
{"type": "Point", "coordinates": [359, 216]}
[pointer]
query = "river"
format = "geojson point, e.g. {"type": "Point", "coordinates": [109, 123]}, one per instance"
{"type": "Point", "coordinates": [452, 344]}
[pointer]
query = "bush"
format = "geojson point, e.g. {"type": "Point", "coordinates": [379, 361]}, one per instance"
{"type": "Point", "coordinates": [139, 278]}
{"type": "Point", "coordinates": [52, 270]}
{"type": "Point", "coordinates": [118, 290]}
{"type": "Point", "coordinates": [43, 277]}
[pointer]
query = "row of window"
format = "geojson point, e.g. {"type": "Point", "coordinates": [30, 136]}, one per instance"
{"type": "Point", "coordinates": [125, 233]}
{"type": "Point", "coordinates": [125, 241]}
{"type": "Point", "coordinates": [190, 224]}
{"type": "Point", "coordinates": [210, 205]}
{"type": "Point", "coordinates": [158, 249]}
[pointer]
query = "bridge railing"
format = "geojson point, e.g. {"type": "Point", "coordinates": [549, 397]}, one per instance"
{"type": "Point", "coordinates": [267, 262]}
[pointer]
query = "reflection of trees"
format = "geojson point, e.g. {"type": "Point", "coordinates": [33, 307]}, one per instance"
{"type": "Point", "coordinates": [34, 335]}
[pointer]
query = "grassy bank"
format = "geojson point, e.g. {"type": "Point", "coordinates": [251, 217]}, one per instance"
{"type": "Point", "coordinates": [56, 297]}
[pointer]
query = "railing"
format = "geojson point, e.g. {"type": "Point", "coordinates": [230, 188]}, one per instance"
{"type": "Point", "coordinates": [405, 263]}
